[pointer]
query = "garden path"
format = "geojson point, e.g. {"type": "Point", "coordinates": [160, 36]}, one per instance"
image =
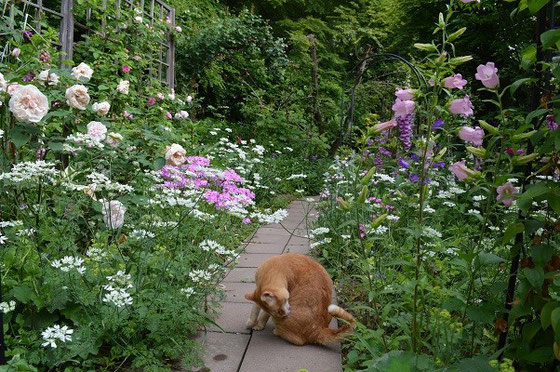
{"type": "Point", "coordinates": [238, 349]}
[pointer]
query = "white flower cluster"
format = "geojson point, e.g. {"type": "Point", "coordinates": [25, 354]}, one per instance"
{"type": "Point", "coordinates": [102, 182]}
{"type": "Point", "coordinates": [117, 289]}
{"type": "Point", "coordinates": [14, 223]}
{"type": "Point", "coordinates": [31, 171]}
{"type": "Point", "coordinates": [82, 139]}
{"type": "Point", "coordinates": [6, 307]}
{"type": "Point", "coordinates": [384, 177]}
{"type": "Point", "coordinates": [68, 263]}
{"type": "Point", "coordinates": [96, 254]}
{"type": "Point", "coordinates": [200, 275]}
{"type": "Point", "coordinates": [56, 333]}
{"type": "Point", "coordinates": [320, 242]}
{"type": "Point", "coordinates": [430, 232]}
{"type": "Point", "coordinates": [275, 217]}
{"type": "Point", "coordinates": [188, 291]}
{"type": "Point", "coordinates": [296, 176]}
{"type": "Point", "coordinates": [142, 234]}
{"type": "Point", "coordinates": [380, 230]}
{"type": "Point", "coordinates": [210, 246]}
{"type": "Point", "coordinates": [318, 231]}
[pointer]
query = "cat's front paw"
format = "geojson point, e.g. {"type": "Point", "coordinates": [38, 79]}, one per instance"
{"type": "Point", "coordinates": [259, 327]}
{"type": "Point", "coordinates": [250, 323]}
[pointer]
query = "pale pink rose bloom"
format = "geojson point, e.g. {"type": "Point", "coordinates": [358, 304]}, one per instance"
{"type": "Point", "coordinates": [96, 130]}
{"type": "Point", "coordinates": [404, 94]}
{"type": "Point", "coordinates": [506, 192]}
{"type": "Point", "coordinates": [123, 87]}
{"type": "Point", "coordinates": [178, 29]}
{"type": "Point", "coordinates": [43, 75]}
{"type": "Point", "coordinates": [114, 139]}
{"type": "Point", "coordinates": [11, 88]}
{"type": "Point", "coordinates": [82, 72]}
{"type": "Point", "coordinates": [175, 155]}
{"type": "Point", "coordinates": [182, 115]}
{"type": "Point", "coordinates": [382, 127]}
{"type": "Point", "coordinates": [456, 81]}
{"type": "Point", "coordinates": [28, 104]}
{"type": "Point", "coordinates": [53, 79]}
{"type": "Point", "coordinates": [461, 106]}
{"type": "Point", "coordinates": [16, 52]}
{"type": "Point", "coordinates": [460, 170]}
{"type": "Point", "coordinates": [168, 114]}
{"type": "Point", "coordinates": [189, 99]}
{"type": "Point", "coordinates": [137, 58]}
{"type": "Point", "coordinates": [472, 135]}
{"type": "Point", "coordinates": [403, 108]}
{"type": "Point", "coordinates": [488, 75]}
{"type": "Point", "coordinates": [101, 108]}
{"type": "Point", "coordinates": [77, 96]}
{"type": "Point", "coordinates": [160, 96]}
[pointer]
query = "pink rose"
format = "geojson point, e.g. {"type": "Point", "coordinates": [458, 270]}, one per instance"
{"type": "Point", "coordinates": [404, 94]}
{"type": "Point", "coordinates": [175, 155]}
{"type": "Point", "coordinates": [382, 127]}
{"type": "Point", "coordinates": [461, 106]}
{"type": "Point", "coordinates": [77, 96]}
{"type": "Point", "coordinates": [506, 192]}
{"type": "Point", "coordinates": [168, 114]}
{"type": "Point", "coordinates": [403, 108]}
{"type": "Point", "coordinates": [126, 69]}
{"type": "Point", "coordinates": [96, 130]}
{"type": "Point", "coordinates": [488, 75]}
{"type": "Point", "coordinates": [151, 101]}
{"type": "Point", "coordinates": [456, 81]}
{"type": "Point", "coordinates": [16, 52]}
{"type": "Point", "coordinates": [472, 135]}
{"type": "Point", "coordinates": [28, 104]}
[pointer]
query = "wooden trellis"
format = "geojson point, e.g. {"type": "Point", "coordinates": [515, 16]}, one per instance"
{"type": "Point", "coordinates": [71, 24]}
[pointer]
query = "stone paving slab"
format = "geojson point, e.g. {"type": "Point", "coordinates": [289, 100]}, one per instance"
{"type": "Point", "coordinates": [270, 353]}
{"type": "Point", "coordinates": [267, 240]}
{"type": "Point", "coordinates": [271, 248]}
{"type": "Point", "coordinates": [235, 292]}
{"type": "Point", "coordinates": [295, 240]}
{"type": "Point", "coordinates": [303, 249]}
{"type": "Point", "coordinates": [233, 316]}
{"type": "Point", "coordinates": [241, 275]}
{"type": "Point", "coordinates": [223, 352]}
{"type": "Point", "coordinates": [252, 259]}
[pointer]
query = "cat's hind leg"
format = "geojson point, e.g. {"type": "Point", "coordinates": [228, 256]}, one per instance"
{"type": "Point", "coordinates": [261, 323]}
{"type": "Point", "coordinates": [288, 336]}
{"type": "Point", "coordinates": [252, 321]}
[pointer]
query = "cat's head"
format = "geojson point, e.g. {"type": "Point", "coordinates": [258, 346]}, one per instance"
{"type": "Point", "coordinates": [273, 301]}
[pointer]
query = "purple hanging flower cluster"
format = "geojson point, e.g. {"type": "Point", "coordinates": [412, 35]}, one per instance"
{"type": "Point", "coordinates": [403, 109]}
{"type": "Point", "coordinates": [405, 130]}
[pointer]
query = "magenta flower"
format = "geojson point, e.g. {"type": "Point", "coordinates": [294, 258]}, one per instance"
{"type": "Point", "coordinates": [472, 135]}
{"type": "Point", "coordinates": [469, 1]}
{"type": "Point", "coordinates": [126, 69]}
{"type": "Point", "coordinates": [137, 58]}
{"type": "Point", "coordinates": [456, 81]}
{"type": "Point", "coordinates": [460, 170]}
{"type": "Point", "coordinates": [382, 127]}
{"type": "Point", "coordinates": [461, 106]}
{"type": "Point", "coordinates": [151, 101]}
{"type": "Point", "coordinates": [488, 75]}
{"type": "Point", "coordinates": [246, 220]}
{"type": "Point", "coordinates": [551, 123]}
{"type": "Point", "coordinates": [404, 94]}
{"type": "Point", "coordinates": [168, 114]}
{"type": "Point", "coordinates": [402, 108]}
{"type": "Point", "coordinates": [506, 192]}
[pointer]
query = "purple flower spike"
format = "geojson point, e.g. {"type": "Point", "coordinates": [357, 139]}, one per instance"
{"type": "Point", "coordinates": [405, 130]}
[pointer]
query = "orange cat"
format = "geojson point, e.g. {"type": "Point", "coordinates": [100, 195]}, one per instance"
{"type": "Point", "coordinates": [296, 291]}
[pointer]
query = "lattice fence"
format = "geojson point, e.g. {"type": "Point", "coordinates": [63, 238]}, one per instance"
{"type": "Point", "coordinates": [74, 25]}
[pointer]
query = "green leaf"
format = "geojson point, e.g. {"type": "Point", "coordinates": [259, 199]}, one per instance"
{"type": "Point", "coordinates": [555, 319]}
{"type": "Point", "coordinates": [511, 231]}
{"type": "Point", "coordinates": [22, 293]}
{"type": "Point", "coordinates": [489, 259]}
{"type": "Point", "coordinates": [551, 38]}
{"type": "Point", "coordinates": [481, 314]}
{"type": "Point", "coordinates": [553, 198]}
{"type": "Point", "coordinates": [546, 313]}
{"type": "Point", "coordinates": [530, 330]}
{"type": "Point", "coordinates": [19, 137]}
{"type": "Point", "coordinates": [513, 87]}
{"type": "Point", "coordinates": [541, 254]}
{"type": "Point", "coordinates": [536, 5]}
{"type": "Point", "coordinates": [535, 276]}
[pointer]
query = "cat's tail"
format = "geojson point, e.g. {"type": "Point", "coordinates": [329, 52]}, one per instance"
{"type": "Point", "coordinates": [332, 335]}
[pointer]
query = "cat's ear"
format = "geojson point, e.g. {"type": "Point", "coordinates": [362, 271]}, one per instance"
{"type": "Point", "coordinates": [250, 296]}
{"type": "Point", "coordinates": [268, 297]}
